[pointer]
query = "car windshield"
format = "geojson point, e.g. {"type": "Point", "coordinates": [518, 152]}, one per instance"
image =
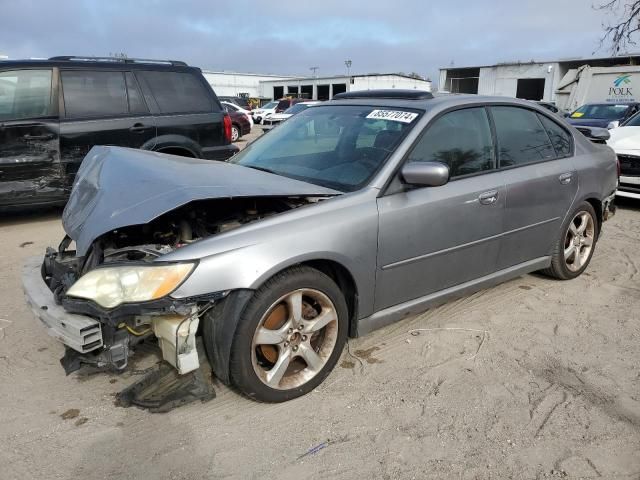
{"type": "Point", "coordinates": [339, 147]}
{"type": "Point", "coordinates": [298, 107]}
{"type": "Point", "coordinates": [633, 121]}
{"type": "Point", "coordinates": [269, 105]}
{"type": "Point", "coordinates": [604, 111]}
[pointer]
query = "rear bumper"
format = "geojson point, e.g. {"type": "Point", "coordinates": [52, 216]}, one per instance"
{"type": "Point", "coordinates": [79, 332]}
{"type": "Point", "coordinates": [609, 207]}
{"type": "Point", "coordinates": [222, 152]}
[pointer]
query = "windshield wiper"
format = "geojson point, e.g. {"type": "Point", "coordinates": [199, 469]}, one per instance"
{"type": "Point", "coordinates": [262, 169]}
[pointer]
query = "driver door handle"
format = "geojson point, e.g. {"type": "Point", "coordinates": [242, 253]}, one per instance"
{"type": "Point", "coordinates": [488, 198]}
{"type": "Point", "coordinates": [38, 137]}
{"type": "Point", "coordinates": [138, 128]}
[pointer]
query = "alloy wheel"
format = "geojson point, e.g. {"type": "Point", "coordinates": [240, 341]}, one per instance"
{"type": "Point", "coordinates": [579, 241]}
{"type": "Point", "coordinates": [294, 339]}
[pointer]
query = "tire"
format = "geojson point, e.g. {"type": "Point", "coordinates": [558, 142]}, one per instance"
{"type": "Point", "coordinates": [574, 248]}
{"type": "Point", "coordinates": [275, 358]}
{"type": "Point", "coordinates": [235, 133]}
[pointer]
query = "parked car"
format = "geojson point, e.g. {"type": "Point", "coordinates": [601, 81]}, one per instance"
{"type": "Point", "coordinates": [606, 115]}
{"type": "Point", "coordinates": [240, 123]}
{"type": "Point", "coordinates": [625, 141]}
{"type": "Point", "coordinates": [278, 118]}
{"type": "Point", "coordinates": [235, 108]}
{"type": "Point", "coordinates": [351, 215]}
{"type": "Point", "coordinates": [52, 112]}
{"type": "Point", "coordinates": [242, 102]}
{"type": "Point", "coordinates": [259, 114]}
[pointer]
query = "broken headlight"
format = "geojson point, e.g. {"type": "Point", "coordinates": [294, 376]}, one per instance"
{"type": "Point", "coordinates": [112, 286]}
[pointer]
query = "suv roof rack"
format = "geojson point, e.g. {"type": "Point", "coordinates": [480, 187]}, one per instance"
{"type": "Point", "coordinates": [390, 94]}
{"type": "Point", "coordinates": [175, 63]}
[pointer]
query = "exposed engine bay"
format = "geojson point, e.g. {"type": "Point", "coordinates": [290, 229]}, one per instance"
{"type": "Point", "coordinates": [173, 322]}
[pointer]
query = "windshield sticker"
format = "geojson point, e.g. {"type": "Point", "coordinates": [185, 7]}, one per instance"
{"type": "Point", "coordinates": [393, 115]}
{"type": "Point", "coordinates": [577, 114]}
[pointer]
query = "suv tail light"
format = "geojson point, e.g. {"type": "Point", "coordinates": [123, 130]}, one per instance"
{"type": "Point", "coordinates": [227, 127]}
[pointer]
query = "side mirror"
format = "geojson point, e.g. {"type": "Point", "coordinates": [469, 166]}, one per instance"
{"type": "Point", "coordinates": [425, 174]}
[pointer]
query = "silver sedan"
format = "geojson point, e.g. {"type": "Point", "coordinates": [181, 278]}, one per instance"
{"type": "Point", "coordinates": [347, 217]}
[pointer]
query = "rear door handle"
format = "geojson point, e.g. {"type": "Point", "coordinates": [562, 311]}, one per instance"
{"type": "Point", "coordinates": [565, 178]}
{"type": "Point", "coordinates": [38, 137]}
{"type": "Point", "coordinates": [138, 128]}
{"type": "Point", "coordinates": [488, 198]}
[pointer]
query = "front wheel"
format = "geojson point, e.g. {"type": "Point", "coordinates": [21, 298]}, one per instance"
{"type": "Point", "coordinates": [573, 250]}
{"type": "Point", "coordinates": [290, 336]}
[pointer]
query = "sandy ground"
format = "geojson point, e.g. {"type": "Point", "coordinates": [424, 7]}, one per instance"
{"type": "Point", "coordinates": [532, 379]}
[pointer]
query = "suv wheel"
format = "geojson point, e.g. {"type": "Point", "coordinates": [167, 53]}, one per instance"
{"type": "Point", "coordinates": [574, 249]}
{"type": "Point", "coordinates": [235, 133]}
{"type": "Point", "coordinates": [290, 336]}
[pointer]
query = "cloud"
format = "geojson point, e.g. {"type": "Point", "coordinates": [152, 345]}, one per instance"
{"type": "Point", "coordinates": [288, 36]}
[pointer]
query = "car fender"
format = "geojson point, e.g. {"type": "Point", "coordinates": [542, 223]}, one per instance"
{"type": "Point", "coordinates": [171, 141]}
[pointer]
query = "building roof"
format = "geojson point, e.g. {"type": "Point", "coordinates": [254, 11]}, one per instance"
{"type": "Point", "coordinates": [628, 56]}
{"type": "Point", "coordinates": [223, 72]}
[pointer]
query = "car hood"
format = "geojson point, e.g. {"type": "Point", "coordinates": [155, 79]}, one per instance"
{"type": "Point", "coordinates": [118, 187]}
{"type": "Point", "coordinates": [625, 138]}
{"type": "Point", "coordinates": [590, 122]}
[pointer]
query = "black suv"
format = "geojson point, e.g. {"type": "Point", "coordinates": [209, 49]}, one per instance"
{"type": "Point", "coordinates": [53, 111]}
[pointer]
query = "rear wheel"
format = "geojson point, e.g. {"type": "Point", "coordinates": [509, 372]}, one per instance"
{"type": "Point", "coordinates": [574, 249]}
{"type": "Point", "coordinates": [290, 336]}
{"type": "Point", "coordinates": [235, 133]}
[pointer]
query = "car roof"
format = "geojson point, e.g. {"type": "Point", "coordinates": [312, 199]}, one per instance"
{"type": "Point", "coordinates": [439, 101]}
{"type": "Point", "coordinates": [107, 64]}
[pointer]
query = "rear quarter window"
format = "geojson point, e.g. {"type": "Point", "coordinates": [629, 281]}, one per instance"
{"type": "Point", "coordinates": [178, 92]}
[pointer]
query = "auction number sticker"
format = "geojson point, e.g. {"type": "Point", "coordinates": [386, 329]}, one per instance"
{"type": "Point", "coordinates": [393, 115]}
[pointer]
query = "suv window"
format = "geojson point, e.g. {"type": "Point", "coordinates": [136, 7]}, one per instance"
{"type": "Point", "coordinates": [560, 138]}
{"type": "Point", "coordinates": [521, 137]}
{"type": "Point", "coordinates": [94, 93]}
{"type": "Point", "coordinates": [460, 139]}
{"type": "Point", "coordinates": [178, 92]}
{"type": "Point", "coordinates": [25, 94]}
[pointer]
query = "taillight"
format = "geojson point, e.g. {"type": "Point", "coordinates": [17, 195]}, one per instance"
{"type": "Point", "coordinates": [227, 127]}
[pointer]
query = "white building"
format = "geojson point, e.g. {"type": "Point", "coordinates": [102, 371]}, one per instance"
{"type": "Point", "coordinates": [531, 81]}
{"type": "Point", "coordinates": [233, 84]}
{"type": "Point", "coordinates": [324, 88]}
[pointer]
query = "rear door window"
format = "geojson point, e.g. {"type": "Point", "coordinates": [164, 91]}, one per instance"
{"type": "Point", "coordinates": [178, 92]}
{"type": "Point", "coordinates": [94, 93]}
{"type": "Point", "coordinates": [25, 94]}
{"type": "Point", "coordinates": [460, 139]}
{"type": "Point", "coordinates": [521, 137]}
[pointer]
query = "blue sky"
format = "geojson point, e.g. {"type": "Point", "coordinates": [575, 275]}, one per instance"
{"type": "Point", "coordinates": [289, 37]}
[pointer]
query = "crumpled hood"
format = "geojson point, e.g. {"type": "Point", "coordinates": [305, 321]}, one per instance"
{"type": "Point", "coordinates": [624, 138]}
{"type": "Point", "coordinates": [118, 187]}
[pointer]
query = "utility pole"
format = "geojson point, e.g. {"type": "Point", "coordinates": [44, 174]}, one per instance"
{"type": "Point", "coordinates": [314, 69]}
{"type": "Point", "coordinates": [347, 64]}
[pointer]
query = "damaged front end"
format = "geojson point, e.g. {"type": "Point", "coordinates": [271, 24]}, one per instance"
{"type": "Point", "coordinates": [107, 286]}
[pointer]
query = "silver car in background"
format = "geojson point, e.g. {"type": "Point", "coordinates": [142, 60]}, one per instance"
{"type": "Point", "coordinates": [349, 216]}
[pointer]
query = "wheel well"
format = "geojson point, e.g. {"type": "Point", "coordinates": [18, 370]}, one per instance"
{"type": "Point", "coordinates": [345, 281]}
{"type": "Point", "coordinates": [180, 151]}
{"type": "Point", "coordinates": [597, 206]}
